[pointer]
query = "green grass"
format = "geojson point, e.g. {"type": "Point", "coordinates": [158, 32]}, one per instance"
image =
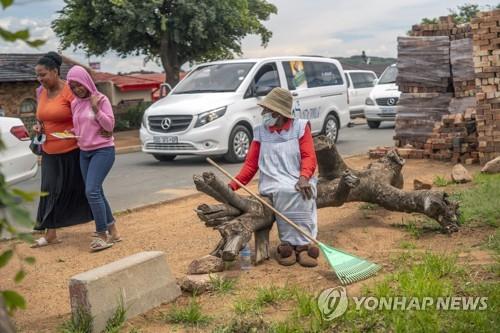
{"type": "Point", "coordinates": [493, 242]}
{"type": "Point", "coordinates": [115, 323]}
{"type": "Point", "coordinates": [407, 245]}
{"type": "Point", "coordinates": [222, 285]}
{"type": "Point", "coordinates": [272, 295]}
{"type": "Point", "coordinates": [368, 206]}
{"type": "Point", "coordinates": [430, 275]}
{"type": "Point", "coordinates": [244, 306]}
{"type": "Point", "coordinates": [412, 228]}
{"type": "Point", "coordinates": [441, 181]}
{"type": "Point", "coordinates": [81, 322]}
{"type": "Point", "coordinates": [190, 315]}
{"type": "Point", "coordinates": [480, 203]}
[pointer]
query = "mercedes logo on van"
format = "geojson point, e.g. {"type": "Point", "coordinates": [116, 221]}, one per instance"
{"type": "Point", "coordinates": [391, 101]}
{"type": "Point", "coordinates": [165, 123]}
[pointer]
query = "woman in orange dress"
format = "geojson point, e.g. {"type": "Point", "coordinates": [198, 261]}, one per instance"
{"type": "Point", "coordinates": [65, 203]}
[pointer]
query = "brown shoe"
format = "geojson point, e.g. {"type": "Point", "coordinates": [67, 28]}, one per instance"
{"type": "Point", "coordinates": [307, 255]}
{"type": "Point", "coordinates": [286, 254]}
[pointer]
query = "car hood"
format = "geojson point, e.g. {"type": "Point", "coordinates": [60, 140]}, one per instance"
{"type": "Point", "coordinates": [385, 90]}
{"type": "Point", "coordinates": [191, 104]}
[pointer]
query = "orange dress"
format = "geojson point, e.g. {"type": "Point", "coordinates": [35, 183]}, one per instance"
{"type": "Point", "coordinates": [55, 114]}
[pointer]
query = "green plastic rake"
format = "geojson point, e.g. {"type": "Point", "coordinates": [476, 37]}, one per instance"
{"type": "Point", "coordinates": [348, 268]}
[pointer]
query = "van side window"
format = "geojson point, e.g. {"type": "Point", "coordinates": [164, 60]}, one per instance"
{"type": "Point", "coordinates": [362, 80]}
{"type": "Point", "coordinates": [267, 76]}
{"type": "Point", "coordinates": [295, 74]}
{"type": "Point", "coordinates": [321, 74]}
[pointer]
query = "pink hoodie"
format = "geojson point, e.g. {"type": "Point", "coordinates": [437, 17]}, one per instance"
{"type": "Point", "coordinates": [88, 124]}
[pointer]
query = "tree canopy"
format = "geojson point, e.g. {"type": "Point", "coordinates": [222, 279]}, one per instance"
{"type": "Point", "coordinates": [462, 14]}
{"type": "Point", "coordinates": [173, 31]}
{"type": "Point", "coordinates": [12, 36]}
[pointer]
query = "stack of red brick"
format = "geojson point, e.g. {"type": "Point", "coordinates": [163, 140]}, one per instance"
{"type": "Point", "coordinates": [445, 27]}
{"type": "Point", "coordinates": [486, 52]}
{"type": "Point", "coordinates": [454, 138]}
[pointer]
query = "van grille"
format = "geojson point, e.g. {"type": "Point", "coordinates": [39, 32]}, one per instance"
{"type": "Point", "coordinates": [387, 101]}
{"type": "Point", "coordinates": [178, 123]}
{"type": "Point", "coordinates": [170, 146]}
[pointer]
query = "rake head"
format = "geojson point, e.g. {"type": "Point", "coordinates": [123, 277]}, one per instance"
{"type": "Point", "coordinates": [347, 267]}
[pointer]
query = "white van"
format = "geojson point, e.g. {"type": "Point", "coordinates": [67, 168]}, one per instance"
{"type": "Point", "coordinates": [213, 110]}
{"type": "Point", "coordinates": [359, 84]}
{"type": "Point", "coordinates": [381, 104]}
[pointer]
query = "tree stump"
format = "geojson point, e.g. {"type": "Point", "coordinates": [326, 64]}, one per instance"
{"type": "Point", "coordinates": [237, 217]}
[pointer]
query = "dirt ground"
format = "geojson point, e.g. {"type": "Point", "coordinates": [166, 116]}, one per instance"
{"type": "Point", "coordinates": [175, 229]}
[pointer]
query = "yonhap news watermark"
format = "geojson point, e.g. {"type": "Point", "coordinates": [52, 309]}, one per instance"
{"type": "Point", "coordinates": [333, 303]}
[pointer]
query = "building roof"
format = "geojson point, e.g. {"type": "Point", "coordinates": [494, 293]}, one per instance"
{"type": "Point", "coordinates": [19, 67]}
{"type": "Point", "coordinates": [131, 82]}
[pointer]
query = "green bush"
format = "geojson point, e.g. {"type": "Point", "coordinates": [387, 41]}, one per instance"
{"type": "Point", "coordinates": [131, 118]}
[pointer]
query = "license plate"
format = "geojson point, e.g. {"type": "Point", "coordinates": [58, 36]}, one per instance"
{"type": "Point", "coordinates": [165, 139]}
{"type": "Point", "coordinates": [388, 110]}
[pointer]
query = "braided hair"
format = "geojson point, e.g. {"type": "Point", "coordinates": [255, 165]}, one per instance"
{"type": "Point", "coordinates": [51, 60]}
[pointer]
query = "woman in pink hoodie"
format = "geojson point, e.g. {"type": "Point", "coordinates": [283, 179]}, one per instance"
{"type": "Point", "coordinates": [93, 114]}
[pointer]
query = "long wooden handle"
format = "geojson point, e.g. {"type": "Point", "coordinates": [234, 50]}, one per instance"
{"type": "Point", "coordinates": [262, 201]}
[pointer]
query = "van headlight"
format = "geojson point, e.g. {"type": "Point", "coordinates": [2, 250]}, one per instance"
{"type": "Point", "coordinates": [369, 101]}
{"type": "Point", "coordinates": [209, 116]}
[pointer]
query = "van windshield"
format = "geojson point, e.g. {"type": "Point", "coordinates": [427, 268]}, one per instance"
{"type": "Point", "coordinates": [389, 75]}
{"type": "Point", "coordinates": [214, 78]}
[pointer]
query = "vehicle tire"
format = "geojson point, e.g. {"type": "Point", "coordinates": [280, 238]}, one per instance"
{"type": "Point", "coordinates": [331, 127]}
{"type": "Point", "coordinates": [238, 145]}
{"type": "Point", "coordinates": [164, 158]}
{"type": "Point", "coordinates": [373, 123]}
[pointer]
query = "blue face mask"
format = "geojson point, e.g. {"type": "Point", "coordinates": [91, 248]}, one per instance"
{"type": "Point", "coordinates": [268, 120]}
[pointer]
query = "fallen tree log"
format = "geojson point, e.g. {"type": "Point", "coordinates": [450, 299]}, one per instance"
{"type": "Point", "coordinates": [237, 217]}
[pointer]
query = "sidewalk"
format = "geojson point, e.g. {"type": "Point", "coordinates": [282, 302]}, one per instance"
{"type": "Point", "coordinates": [127, 142]}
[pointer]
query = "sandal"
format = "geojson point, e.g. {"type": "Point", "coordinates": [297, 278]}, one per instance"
{"type": "Point", "coordinates": [286, 254]}
{"type": "Point", "coordinates": [307, 255]}
{"type": "Point", "coordinates": [42, 241]}
{"type": "Point", "coordinates": [114, 239]}
{"type": "Point", "coordinates": [99, 244]}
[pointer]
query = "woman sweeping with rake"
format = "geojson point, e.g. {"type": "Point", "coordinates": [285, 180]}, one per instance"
{"type": "Point", "coordinates": [283, 150]}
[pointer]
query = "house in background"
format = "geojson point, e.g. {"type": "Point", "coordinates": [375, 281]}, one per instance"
{"type": "Point", "coordinates": [18, 85]}
{"type": "Point", "coordinates": [126, 90]}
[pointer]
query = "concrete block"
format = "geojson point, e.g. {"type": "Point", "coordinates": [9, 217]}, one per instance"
{"type": "Point", "coordinates": [143, 280]}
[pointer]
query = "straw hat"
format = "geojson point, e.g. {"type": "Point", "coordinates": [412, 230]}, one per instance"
{"type": "Point", "coordinates": [279, 100]}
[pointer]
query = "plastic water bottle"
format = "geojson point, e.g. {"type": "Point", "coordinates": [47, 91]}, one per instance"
{"type": "Point", "coordinates": [246, 258]}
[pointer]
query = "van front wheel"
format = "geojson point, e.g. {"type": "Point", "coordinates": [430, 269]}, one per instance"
{"type": "Point", "coordinates": [331, 128]}
{"type": "Point", "coordinates": [238, 145]}
{"type": "Point", "coordinates": [373, 123]}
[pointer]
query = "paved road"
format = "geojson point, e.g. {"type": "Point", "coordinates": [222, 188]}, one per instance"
{"type": "Point", "coordinates": [138, 179]}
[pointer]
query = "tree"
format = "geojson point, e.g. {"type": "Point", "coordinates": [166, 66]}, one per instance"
{"type": "Point", "coordinates": [173, 31]}
{"type": "Point", "coordinates": [237, 217]}
{"type": "Point", "coordinates": [11, 209]}
{"type": "Point", "coordinates": [12, 36]}
{"type": "Point", "coordinates": [463, 14]}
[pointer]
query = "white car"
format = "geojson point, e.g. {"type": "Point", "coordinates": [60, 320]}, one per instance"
{"type": "Point", "coordinates": [381, 104]}
{"type": "Point", "coordinates": [17, 162]}
{"type": "Point", "coordinates": [213, 110]}
{"type": "Point", "coordinates": [359, 85]}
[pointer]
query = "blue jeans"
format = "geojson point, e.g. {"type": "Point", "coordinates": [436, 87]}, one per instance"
{"type": "Point", "coordinates": [95, 166]}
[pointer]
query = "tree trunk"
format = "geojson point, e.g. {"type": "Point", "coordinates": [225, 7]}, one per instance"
{"type": "Point", "coordinates": [169, 58]}
{"type": "Point", "coordinates": [381, 183]}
